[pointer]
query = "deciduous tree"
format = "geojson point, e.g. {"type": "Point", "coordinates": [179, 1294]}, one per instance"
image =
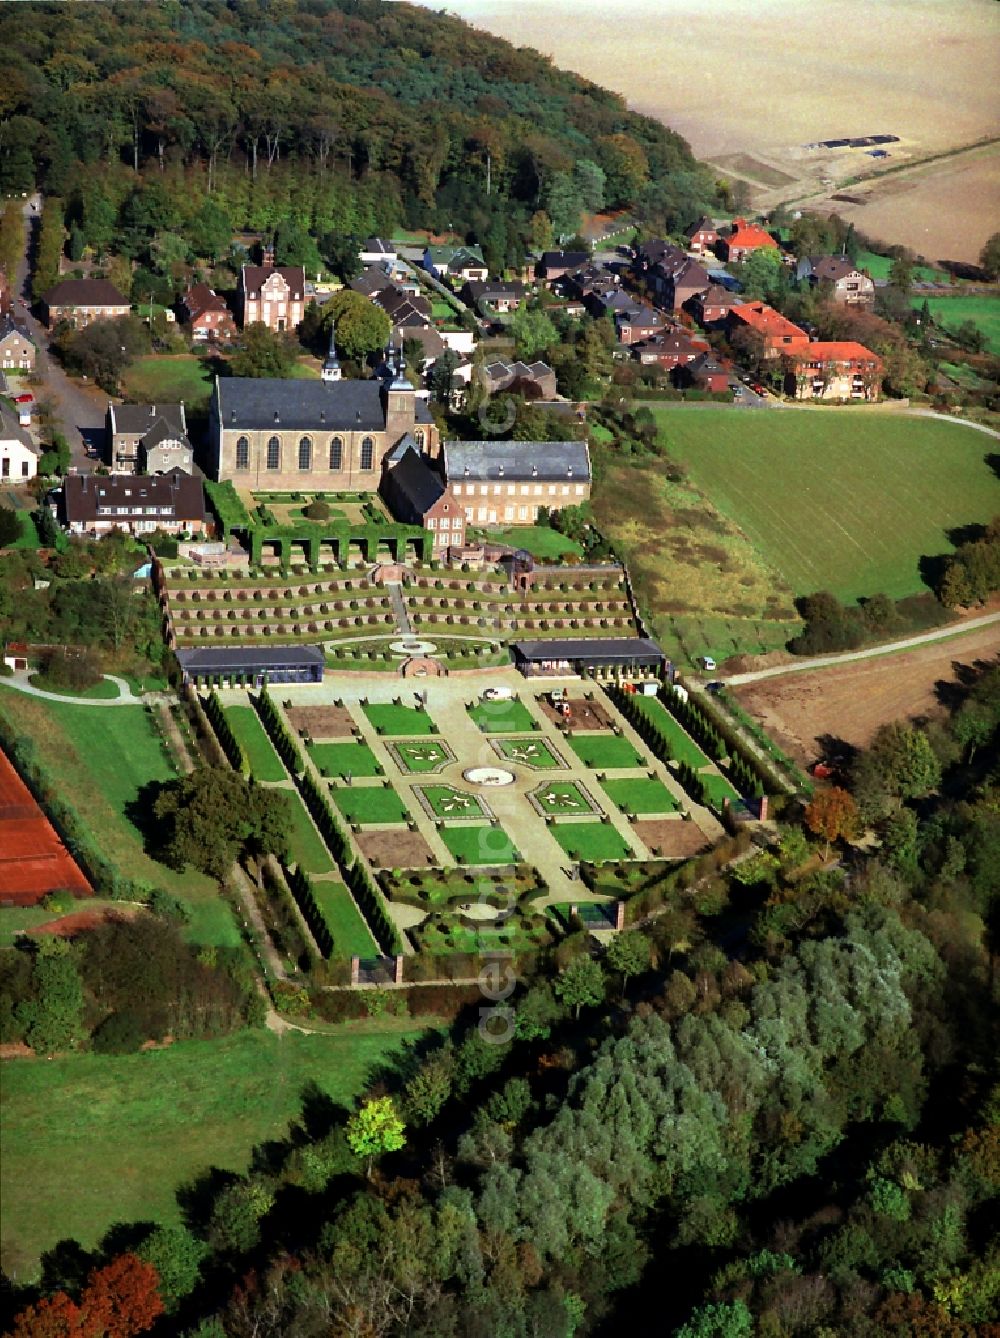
{"type": "Point", "coordinates": [582, 983]}
{"type": "Point", "coordinates": [833, 815]}
{"type": "Point", "coordinates": [374, 1130]}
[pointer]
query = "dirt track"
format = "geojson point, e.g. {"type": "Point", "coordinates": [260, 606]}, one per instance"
{"type": "Point", "coordinates": [851, 701]}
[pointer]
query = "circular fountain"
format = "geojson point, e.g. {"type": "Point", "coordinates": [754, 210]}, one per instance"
{"type": "Point", "coordinates": [491, 776]}
{"type": "Point", "coordinates": [411, 646]}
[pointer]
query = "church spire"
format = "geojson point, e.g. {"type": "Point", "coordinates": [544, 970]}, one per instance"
{"type": "Point", "coordinates": [331, 367]}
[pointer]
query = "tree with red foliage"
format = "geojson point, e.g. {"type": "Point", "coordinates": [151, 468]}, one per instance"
{"type": "Point", "coordinates": [832, 814]}
{"type": "Point", "coordinates": [119, 1301]}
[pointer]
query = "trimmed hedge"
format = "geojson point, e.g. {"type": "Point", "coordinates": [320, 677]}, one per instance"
{"type": "Point", "coordinates": [231, 746]}
{"type": "Point", "coordinates": [279, 733]}
{"type": "Point", "coordinates": [305, 898]}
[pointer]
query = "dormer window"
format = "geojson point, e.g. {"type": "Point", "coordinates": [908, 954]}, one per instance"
{"type": "Point", "coordinates": [277, 416]}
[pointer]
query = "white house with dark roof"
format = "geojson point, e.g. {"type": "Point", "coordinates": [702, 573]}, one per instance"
{"type": "Point", "coordinates": [96, 504]}
{"type": "Point", "coordinates": [505, 482]}
{"type": "Point", "coordinates": [333, 434]}
{"type": "Point", "coordinates": [375, 251]}
{"type": "Point", "coordinates": [274, 296]}
{"type": "Point", "coordinates": [18, 453]}
{"type": "Point", "coordinates": [461, 263]}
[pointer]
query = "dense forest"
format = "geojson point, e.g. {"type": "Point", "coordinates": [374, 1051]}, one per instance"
{"type": "Point", "coordinates": [341, 117]}
{"type": "Point", "coordinates": [772, 1108]}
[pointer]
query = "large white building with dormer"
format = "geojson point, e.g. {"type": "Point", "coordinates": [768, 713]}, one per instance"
{"type": "Point", "coordinates": [275, 296]}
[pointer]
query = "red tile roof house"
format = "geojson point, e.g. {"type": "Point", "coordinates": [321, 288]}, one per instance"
{"type": "Point", "coordinates": [711, 308]}
{"type": "Point", "coordinates": [840, 370]}
{"type": "Point", "coordinates": [80, 301]}
{"type": "Point", "coordinates": [702, 237]}
{"type": "Point", "coordinates": [706, 372]}
{"type": "Point", "coordinates": [273, 296]}
{"type": "Point", "coordinates": [674, 349]}
{"type": "Point", "coordinates": [207, 315]}
{"type": "Point", "coordinates": [777, 334]}
{"type": "Point", "coordinates": [744, 238]}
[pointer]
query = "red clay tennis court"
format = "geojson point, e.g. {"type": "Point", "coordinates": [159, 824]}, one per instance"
{"type": "Point", "coordinates": [33, 860]}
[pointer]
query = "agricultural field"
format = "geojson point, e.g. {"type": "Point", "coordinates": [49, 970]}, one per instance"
{"type": "Point", "coordinates": [101, 759]}
{"type": "Point", "coordinates": [982, 309]}
{"type": "Point", "coordinates": [91, 1140]}
{"type": "Point", "coordinates": [887, 490]}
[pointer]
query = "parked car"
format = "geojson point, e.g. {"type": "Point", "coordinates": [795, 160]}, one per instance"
{"type": "Point", "coordinates": [708, 663]}
{"type": "Point", "coordinates": [497, 694]}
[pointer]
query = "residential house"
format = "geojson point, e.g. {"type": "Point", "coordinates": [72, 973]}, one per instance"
{"type": "Point", "coordinates": [703, 237]}
{"type": "Point", "coordinates": [373, 280]}
{"type": "Point", "coordinates": [673, 348]}
{"type": "Point", "coordinates": [505, 482]}
{"type": "Point", "coordinates": [272, 295]}
{"type": "Point", "coordinates": [706, 372]}
{"type": "Point", "coordinates": [486, 295]}
{"type": "Point", "coordinates": [148, 439]}
{"type": "Point", "coordinates": [850, 285]}
{"type": "Point", "coordinates": [429, 339]}
{"type": "Point", "coordinates": [18, 453]}
{"type": "Point", "coordinates": [557, 264]}
{"type": "Point", "coordinates": [591, 282]}
{"type": "Point", "coordinates": [460, 264]}
{"type": "Point", "coordinates": [743, 239]}
{"type": "Point", "coordinates": [277, 435]}
{"type": "Point", "coordinates": [95, 504]}
{"type": "Point", "coordinates": [675, 282]}
{"type": "Point", "coordinates": [17, 352]}
{"type": "Point", "coordinates": [656, 252]}
{"type": "Point", "coordinates": [416, 494]}
{"type": "Point", "coordinates": [535, 380]}
{"type": "Point", "coordinates": [639, 323]}
{"type": "Point", "coordinates": [402, 308]}
{"type": "Point", "coordinates": [81, 301]}
{"type": "Point", "coordinates": [776, 333]}
{"type": "Point", "coordinates": [207, 315]}
{"type": "Point", "coordinates": [838, 370]}
{"type": "Point", "coordinates": [375, 251]}
{"type": "Point", "coordinates": [711, 308]}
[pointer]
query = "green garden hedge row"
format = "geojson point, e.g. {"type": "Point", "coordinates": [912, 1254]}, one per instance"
{"type": "Point", "coordinates": [231, 746]}
{"type": "Point", "coordinates": [279, 733]}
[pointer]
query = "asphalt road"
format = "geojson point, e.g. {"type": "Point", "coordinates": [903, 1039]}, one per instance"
{"type": "Point", "coordinates": [78, 410]}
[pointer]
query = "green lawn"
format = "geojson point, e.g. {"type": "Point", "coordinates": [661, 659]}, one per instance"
{"type": "Point", "coordinates": [509, 717]}
{"type": "Point", "coordinates": [28, 538]}
{"type": "Point", "coordinates": [447, 802]}
{"type": "Point", "coordinates": [168, 378]}
{"type": "Point", "coordinates": [590, 840]}
{"type": "Point", "coordinates": [388, 718]}
{"type": "Point", "coordinates": [562, 798]}
{"type": "Point", "coordinates": [479, 845]}
{"type": "Point", "coordinates": [981, 308]}
{"type": "Point", "coordinates": [640, 795]}
{"type": "Point", "coordinates": [878, 267]}
{"type": "Point", "coordinates": [420, 757]}
{"type": "Point", "coordinates": [252, 737]}
{"type": "Point", "coordinates": [838, 499]}
{"type": "Point", "coordinates": [90, 1140]}
{"type": "Point", "coordinates": [351, 935]}
{"type": "Point", "coordinates": [103, 690]}
{"type": "Point", "coordinates": [539, 540]}
{"type": "Point", "coordinates": [604, 751]}
{"type": "Point", "coordinates": [369, 804]}
{"type": "Point", "coordinates": [341, 759]}
{"type": "Point", "coordinates": [306, 846]}
{"type": "Point", "coordinates": [101, 759]}
{"type": "Point", "coordinates": [717, 788]}
{"type": "Point", "coordinates": [682, 747]}
{"type": "Point", "coordinates": [534, 753]}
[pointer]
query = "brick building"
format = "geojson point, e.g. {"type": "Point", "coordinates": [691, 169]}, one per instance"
{"type": "Point", "coordinates": [81, 301]}
{"type": "Point", "coordinates": [505, 482]}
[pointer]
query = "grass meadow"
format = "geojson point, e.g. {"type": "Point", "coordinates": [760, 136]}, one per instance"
{"type": "Point", "coordinates": [982, 309]}
{"type": "Point", "coordinates": [842, 500]}
{"type": "Point", "coordinates": [101, 758]}
{"type": "Point", "coordinates": [167, 379]}
{"type": "Point", "coordinates": [91, 1140]}
{"type": "Point", "coordinates": [351, 934]}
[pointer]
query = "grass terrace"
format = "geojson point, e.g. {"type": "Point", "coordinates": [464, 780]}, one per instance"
{"type": "Point", "coordinates": [344, 759]}
{"type": "Point", "coordinates": [640, 795]}
{"type": "Point", "coordinates": [591, 841]}
{"type": "Point", "coordinates": [390, 718]}
{"type": "Point", "coordinates": [509, 717]}
{"type": "Point", "coordinates": [252, 738]}
{"type": "Point", "coordinates": [348, 928]}
{"type": "Point", "coordinates": [446, 802]}
{"type": "Point", "coordinates": [369, 805]}
{"type": "Point", "coordinates": [479, 845]}
{"type": "Point", "coordinates": [535, 753]}
{"type": "Point", "coordinates": [540, 541]}
{"type": "Point", "coordinates": [718, 789]}
{"type": "Point", "coordinates": [604, 752]}
{"type": "Point", "coordinates": [305, 845]}
{"type": "Point", "coordinates": [682, 747]}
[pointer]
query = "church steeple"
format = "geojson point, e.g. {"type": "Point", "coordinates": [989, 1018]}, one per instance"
{"type": "Point", "coordinates": [331, 366]}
